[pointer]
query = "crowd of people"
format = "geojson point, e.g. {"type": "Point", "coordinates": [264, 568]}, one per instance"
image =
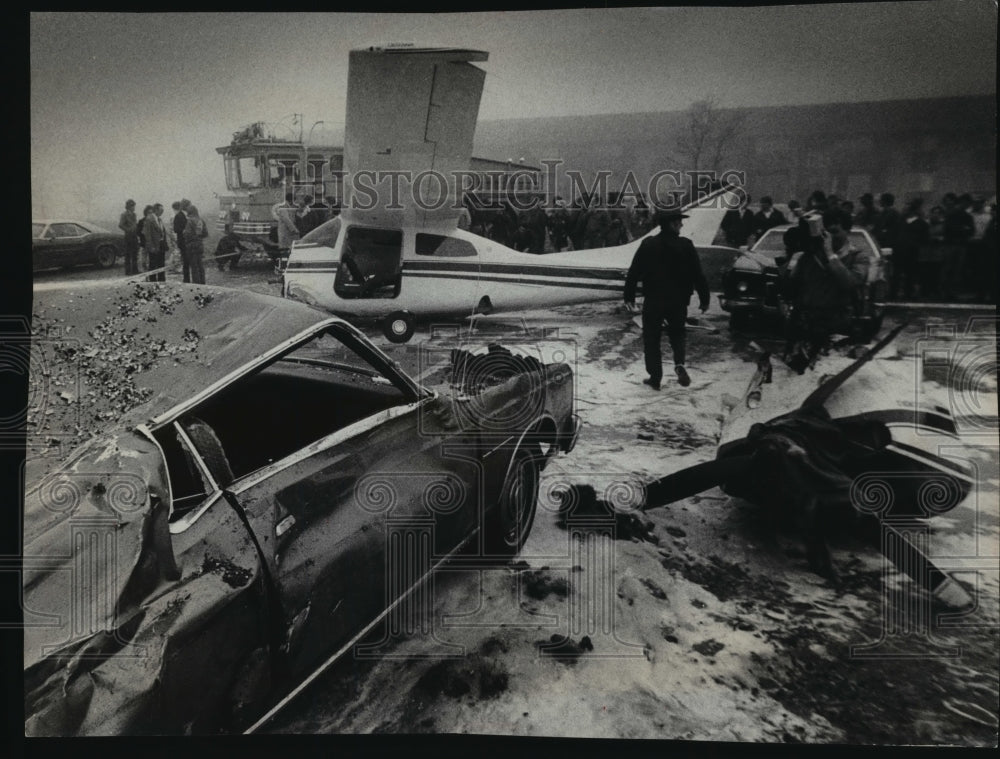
{"type": "Point", "coordinates": [149, 240]}
{"type": "Point", "coordinates": [947, 253]}
{"type": "Point", "coordinates": [587, 223]}
{"type": "Point", "coordinates": [296, 220]}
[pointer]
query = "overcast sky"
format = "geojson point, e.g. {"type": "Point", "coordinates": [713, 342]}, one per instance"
{"type": "Point", "coordinates": [135, 104]}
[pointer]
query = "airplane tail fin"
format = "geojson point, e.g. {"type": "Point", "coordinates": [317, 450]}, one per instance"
{"type": "Point", "coordinates": [413, 110]}
{"type": "Point", "coordinates": [706, 213]}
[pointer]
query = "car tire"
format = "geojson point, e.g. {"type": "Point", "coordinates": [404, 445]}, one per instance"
{"type": "Point", "coordinates": [398, 326]}
{"type": "Point", "coordinates": [509, 522]}
{"type": "Point", "coordinates": [106, 255]}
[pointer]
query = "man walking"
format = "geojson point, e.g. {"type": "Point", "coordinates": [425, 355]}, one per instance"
{"type": "Point", "coordinates": [128, 223]}
{"type": "Point", "coordinates": [668, 267]}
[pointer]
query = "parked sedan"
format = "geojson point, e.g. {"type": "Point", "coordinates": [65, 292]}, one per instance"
{"type": "Point", "coordinates": [70, 243]}
{"type": "Point", "coordinates": [266, 486]}
{"type": "Point", "coordinates": [750, 286]}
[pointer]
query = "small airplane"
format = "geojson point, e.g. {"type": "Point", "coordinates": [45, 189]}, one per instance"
{"type": "Point", "coordinates": [414, 110]}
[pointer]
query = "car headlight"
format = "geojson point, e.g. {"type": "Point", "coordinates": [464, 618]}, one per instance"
{"type": "Point", "coordinates": [742, 286]}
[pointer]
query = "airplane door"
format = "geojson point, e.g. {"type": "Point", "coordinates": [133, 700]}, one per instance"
{"type": "Point", "coordinates": [371, 263]}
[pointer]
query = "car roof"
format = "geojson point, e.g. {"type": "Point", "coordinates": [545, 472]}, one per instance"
{"type": "Point", "coordinates": [62, 221]}
{"type": "Point", "coordinates": [162, 344]}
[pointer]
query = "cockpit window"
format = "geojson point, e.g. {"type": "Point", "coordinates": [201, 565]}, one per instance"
{"type": "Point", "coordinates": [444, 247]}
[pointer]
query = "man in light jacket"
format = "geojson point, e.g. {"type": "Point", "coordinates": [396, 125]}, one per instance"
{"type": "Point", "coordinates": [288, 231]}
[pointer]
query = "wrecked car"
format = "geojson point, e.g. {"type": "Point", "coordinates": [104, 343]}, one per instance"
{"type": "Point", "coordinates": [265, 488]}
{"type": "Point", "coordinates": [751, 288]}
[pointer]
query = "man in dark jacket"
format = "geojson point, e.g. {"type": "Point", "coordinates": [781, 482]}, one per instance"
{"type": "Point", "coordinates": [767, 217]}
{"type": "Point", "coordinates": [536, 221]}
{"type": "Point", "coordinates": [958, 229]}
{"type": "Point", "coordinates": [825, 284]}
{"type": "Point", "coordinates": [578, 222]}
{"type": "Point", "coordinates": [179, 222]}
{"type": "Point", "coordinates": [598, 222]}
{"type": "Point", "coordinates": [128, 223]}
{"type": "Point", "coordinates": [867, 215]}
{"type": "Point", "coordinates": [888, 222]}
{"type": "Point", "coordinates": [229, 248]}
{"type": "Point", "coordinates": [914, 234]}
{"type": "Point", "coordinates": [668, 267]}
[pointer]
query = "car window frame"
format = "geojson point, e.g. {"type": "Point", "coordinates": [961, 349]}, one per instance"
{"type": "Point", "coordinates": [774, 232]}
{"type": "Point", "coordinates": [56, 236]}
{"type": "Point", "coordinates": [852, 235]}
{"type": "Point", "coordinates": [415, 396]}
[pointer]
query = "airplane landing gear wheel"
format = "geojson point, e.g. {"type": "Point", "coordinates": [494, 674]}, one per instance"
{"type": "Point", "coordinates": [398, 326]}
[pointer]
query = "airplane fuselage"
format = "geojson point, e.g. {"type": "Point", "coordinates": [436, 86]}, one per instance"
{"type": "Point", "coordinates": [451, 271]}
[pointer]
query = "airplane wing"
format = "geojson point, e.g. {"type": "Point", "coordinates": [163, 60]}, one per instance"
{"type": "Point", "coordinates": [705, 214]}
{"type": "Point", "coordinates": [410, 110]}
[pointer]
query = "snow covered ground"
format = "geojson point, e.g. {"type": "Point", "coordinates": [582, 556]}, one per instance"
{"type": "Point", "coordinates": [690, 621]}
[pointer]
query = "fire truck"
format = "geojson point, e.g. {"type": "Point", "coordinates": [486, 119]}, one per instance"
{"type": "Point", "coordinates": [260, 169]}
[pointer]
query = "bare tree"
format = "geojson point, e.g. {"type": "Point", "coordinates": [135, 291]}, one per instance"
{"type": "Point", "coordinates": [707, 133]}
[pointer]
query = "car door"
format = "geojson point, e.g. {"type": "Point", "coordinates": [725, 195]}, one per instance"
{"type": "Point", "coordinates": [66, 244]}
{"type": "Point", "coordinates": [349, 522]}
{"type": "Point", "coordinates": [323, 551]}
{"type": "Point", "coordinates": [43, 244]}
{"type": "Point", "coordinates": [351, 527]}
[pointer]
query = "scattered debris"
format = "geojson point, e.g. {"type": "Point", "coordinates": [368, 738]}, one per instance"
{"type": "Point", "coordinates": [105, 367]}
{"type": "Point", "coordinates": [654, 590]}
{"type": "Point", "coordinates": [580, 502]}
{"type": "Point", "coordinates": [563, 649]}
{"type": "Point", "coordinates": [540, 583]}
{"type": "Point", "coordinates": [708, 647]}
{"type": "Point", "coordinates": [232, 575]}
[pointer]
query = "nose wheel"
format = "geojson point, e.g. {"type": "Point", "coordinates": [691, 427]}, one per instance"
{"type": "Point", "coordinates": [398, 326]}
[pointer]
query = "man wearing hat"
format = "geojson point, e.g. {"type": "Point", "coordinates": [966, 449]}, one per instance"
{"type": "Point", "coordinates": [670, 271]}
